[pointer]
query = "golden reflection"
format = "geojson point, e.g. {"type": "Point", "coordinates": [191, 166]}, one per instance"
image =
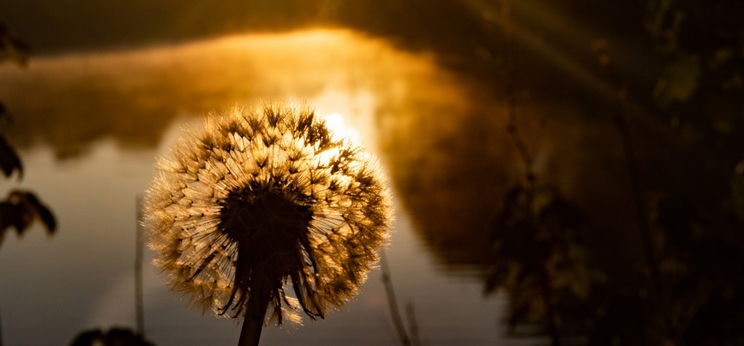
{"type": "Point", "coordinates": [402, 105]}
{"type": "Point", "coordinates": [80, 98]}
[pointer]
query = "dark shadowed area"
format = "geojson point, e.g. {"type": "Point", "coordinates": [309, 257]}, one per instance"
{"type": "Point", "coordinates": [563, 173]}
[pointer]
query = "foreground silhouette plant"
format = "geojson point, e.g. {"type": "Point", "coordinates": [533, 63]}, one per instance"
{"type": "Point", "coordinates": [260, 201]}
{"type": "Point", "coordinates": [20, 208]}
{"type": "Point", "coordinates": [115, 336]}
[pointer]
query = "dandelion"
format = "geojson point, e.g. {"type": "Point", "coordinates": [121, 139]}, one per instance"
{"type": "Point", "coordinates": [262, 202]}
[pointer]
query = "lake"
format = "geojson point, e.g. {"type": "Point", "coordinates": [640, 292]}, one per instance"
{"type": "Point", "coordinates": [89, 127]}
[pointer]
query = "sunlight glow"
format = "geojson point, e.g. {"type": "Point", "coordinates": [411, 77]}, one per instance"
{"type": "Point", "coordinates": [335, 123]}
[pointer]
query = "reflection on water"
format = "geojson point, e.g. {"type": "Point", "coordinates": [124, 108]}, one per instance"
{"type": "Point", "coordinates": [427, 123]}
{"type": "Point", "coordinates": [600, 242]}
{"type": "Point", "coordinates": [108, 115]}
{"type": "Point", "coordinates": [133, 96]}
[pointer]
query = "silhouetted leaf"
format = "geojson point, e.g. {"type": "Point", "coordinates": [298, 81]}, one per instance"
{"type": "Point", "coordinates": [19, 211]}
{"type": "Point", "coordinates": [43, 212]}
{"type": "Point", "coordinates": [7, 212]}
{"type": "Point", "coordinates": [9, 160]}
{"type": "Point", "coordinates": [14, 214]}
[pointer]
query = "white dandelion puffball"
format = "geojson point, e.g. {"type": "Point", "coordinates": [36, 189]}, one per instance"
{"type": "Point", "coordinates": [261, 201]}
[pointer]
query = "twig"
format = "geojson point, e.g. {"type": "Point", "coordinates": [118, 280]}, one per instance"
{"type": "Point", "coordinates": [642, 218]}
{"type": "Point", "coordinates": [411, 314]}
{"type": "Point", "coordinates": [510, 98]}
{"type": "Point", "coordinates": [138, 297]}
{"type": "Point", "coordinates": [392, 302]}
{"type": "Point", "coordinates": [527, 159]}
{"type": "Point", "coordinates": [547, 293]}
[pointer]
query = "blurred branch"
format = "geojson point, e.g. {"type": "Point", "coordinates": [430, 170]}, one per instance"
{"type": "Point", "coordinates": [392, 301]}
{"type": "Point", "coordinates": [510, 98]}
{"type": "Point", "coordinates": [620, 118]}
{"type": "Point", "coordinates": [550, 314]}
{"type": "Point", "coordinates": [411, 314]}
{"type": "Point", "coordinates": [642, 218]}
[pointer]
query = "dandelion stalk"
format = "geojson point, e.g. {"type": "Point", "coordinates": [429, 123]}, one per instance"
{"type": "Point", "coordinates": [260, 202]}
{"type": "Point", "coordinates": [250, 333]}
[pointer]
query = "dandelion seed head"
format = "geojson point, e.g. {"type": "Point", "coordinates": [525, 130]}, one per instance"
{"type": "Point", "coordinates": [267, 200]}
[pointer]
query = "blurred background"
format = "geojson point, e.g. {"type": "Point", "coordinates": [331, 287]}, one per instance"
{"type": "Point", "coordinates": [564, 172]}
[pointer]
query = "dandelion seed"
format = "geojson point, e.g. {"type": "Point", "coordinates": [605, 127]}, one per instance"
{"type": "Point", "coordinates": [260, 202]}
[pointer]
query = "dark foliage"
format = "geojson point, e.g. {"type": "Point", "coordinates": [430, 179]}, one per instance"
{"type": "Point", "coordinates": [686, 287]}
{"type": "Point", "coordinates": [9, 160]}
{"type": "Point", "coordinates": [20, 208]}
{"type": "Point", "coordinates": [113, 337]}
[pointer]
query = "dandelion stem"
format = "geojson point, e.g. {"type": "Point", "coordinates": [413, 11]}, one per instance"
{"type": "Point", "coordinates": [250, 333]}
{"type": "Point", "coordinates": [260, 200]}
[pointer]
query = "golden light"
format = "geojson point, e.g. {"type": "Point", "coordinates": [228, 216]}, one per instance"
{"type": "Point", "coordinates": [335, 123]}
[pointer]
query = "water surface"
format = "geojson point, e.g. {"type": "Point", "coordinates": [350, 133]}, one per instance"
{"type": "Point", "coordinates": [90, 126]}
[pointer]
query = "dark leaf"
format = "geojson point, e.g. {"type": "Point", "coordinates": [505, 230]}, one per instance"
{"type": "Point", "coordinates": [13, 214]}
{"type": "Point", "coordinates": [7, 212]}
{"type": "Point", "coordinates": [19, 215]}
{"type": "Point", "coordinates": [9, 160]}
{"type": "Point", "coordinates": [20, 209]}
{"type": "Point", "coordinates": [113, 337]}
{"type": "Point", "coordinates": [43, 212]}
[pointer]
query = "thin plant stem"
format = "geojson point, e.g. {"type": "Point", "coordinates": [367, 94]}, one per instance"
{"type": "Point", "coordinates": [1, 330]}
{"type": "Point", "coordinates": [527, 160]}
{"type": "Point", "coordinates": [636, 189]}
{"type": "Point", "coordinates": [509, 94]}
{"type": "Point", "coordinates": [138, 253]}
{"type": "Point", "coordinates": [551, 318]}
{"type": "Point", "coordinates": [250, 332]}
{"type": "Point", "coordinates": [392, 301]}
{"type": "Point", "coordinates": [625, 108]}
{"type": "Point", "coordinates": [411, 314]}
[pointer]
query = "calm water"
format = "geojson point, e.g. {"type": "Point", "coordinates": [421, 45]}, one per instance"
{"type": "Point", "coordinates": [90, 126]}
